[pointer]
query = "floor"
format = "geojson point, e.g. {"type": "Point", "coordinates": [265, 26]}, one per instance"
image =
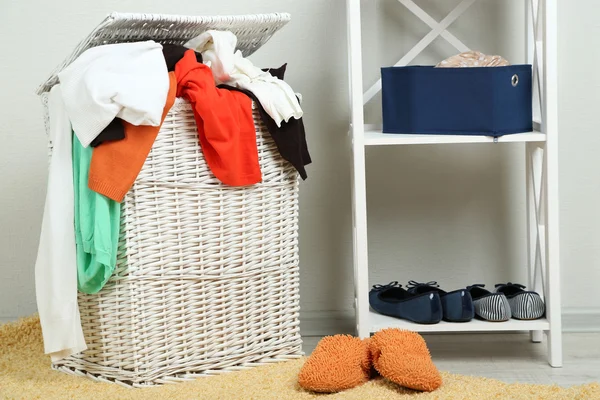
{"type": "Point", "coordinates": [511, 357]}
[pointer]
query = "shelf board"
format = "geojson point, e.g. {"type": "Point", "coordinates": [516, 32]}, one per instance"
{"type": "Point", "coordinates": [374, 137]}
{"type": "Point", "coordinates": [378, 322]}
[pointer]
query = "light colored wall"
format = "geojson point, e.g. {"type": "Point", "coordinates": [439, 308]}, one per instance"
{"type": "Point", "coordinates": [452, 214]}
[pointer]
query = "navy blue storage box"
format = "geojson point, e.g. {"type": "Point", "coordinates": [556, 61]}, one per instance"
{"type": "Point", "coordinates": [490, 101]}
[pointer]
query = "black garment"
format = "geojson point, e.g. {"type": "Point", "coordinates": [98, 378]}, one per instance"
{"type": "Point", "coordinates": [290, 138]}
{"type": "Point", "coordinates": [173, 53]}
{"type": "Point", "coordinates": [277, 72]}
{"type": "Point", "coordinates": [114, 131]}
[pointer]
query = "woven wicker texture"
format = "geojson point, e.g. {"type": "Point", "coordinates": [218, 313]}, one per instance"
{"type": "Point", "coordinates": [252, 32]}
{"type": "Point", "coordinates": [207, 276]}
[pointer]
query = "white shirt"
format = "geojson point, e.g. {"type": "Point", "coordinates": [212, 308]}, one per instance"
{"type": "Point", "coordinates": [230, 67]}
{"type": "Point", "coordinates": [125, 80]}
{"type": "Point", "coordinates": [56, 264]}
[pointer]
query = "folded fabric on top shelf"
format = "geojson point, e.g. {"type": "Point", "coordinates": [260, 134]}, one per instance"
{"type": "Point", "coordinates": [125, 80]}
{"type": "Point", "coordinates": [472, 59]}
{"type": "Point", "coordinates": [230, 67]}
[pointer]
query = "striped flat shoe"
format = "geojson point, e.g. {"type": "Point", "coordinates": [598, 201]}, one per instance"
{"type": "Point", "coordinates": [489, 306]}
{"type": "Point", "coordinates": [524, 304]}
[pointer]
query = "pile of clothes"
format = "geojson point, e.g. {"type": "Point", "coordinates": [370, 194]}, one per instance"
{"type": "Point", "coordinates": [105, 115]}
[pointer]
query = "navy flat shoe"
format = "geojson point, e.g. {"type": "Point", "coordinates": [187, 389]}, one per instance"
{"type": "Point", "coordinates": [393, 301]}
{"type": "Point", "coordinates": [489, 306]}
{"type": "Point", "coordinates": [524, 304]}
{"type": "Point", "coordinates": [457, 305]}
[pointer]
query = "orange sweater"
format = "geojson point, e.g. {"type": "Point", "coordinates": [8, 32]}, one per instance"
{"type": "Point", "coordinates": [116, 165]}
{"type": "Point", "coordinates": [225, 124]}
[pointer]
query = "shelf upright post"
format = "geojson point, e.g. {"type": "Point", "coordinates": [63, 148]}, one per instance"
{"type": "Point", "coordinates": [359, 190]}
{"type": "Point", "coordinates": [550, 171]}
{"type": "Point", "coordinates": [534, 164]}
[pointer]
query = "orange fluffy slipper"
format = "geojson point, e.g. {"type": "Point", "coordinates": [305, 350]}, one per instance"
{"type": "Point", "coordinates": [338, 362]}
{"type": "Point", "coordinates": [403, 357]}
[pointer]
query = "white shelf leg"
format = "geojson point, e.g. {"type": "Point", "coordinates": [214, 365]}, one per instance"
{"type": "Point", "coordinates": [359, 210]}
{"type": "Point", "coordinates": [359, 189]}
{"type": "Point", "coordinates": [550, 126]}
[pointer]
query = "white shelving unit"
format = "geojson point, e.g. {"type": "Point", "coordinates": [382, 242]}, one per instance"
{"type": "Point", "coordinates": [540, 151]}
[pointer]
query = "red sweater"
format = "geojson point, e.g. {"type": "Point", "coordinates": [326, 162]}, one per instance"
{"type": "Point", "coordinates": [225, 124]}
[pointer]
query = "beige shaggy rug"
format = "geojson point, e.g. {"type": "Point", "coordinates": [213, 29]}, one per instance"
{"type": "Point", "coordinates": [25, 374]}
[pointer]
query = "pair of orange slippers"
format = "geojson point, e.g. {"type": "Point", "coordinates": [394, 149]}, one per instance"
{"type": "Point", "coordinates": [342, 362]}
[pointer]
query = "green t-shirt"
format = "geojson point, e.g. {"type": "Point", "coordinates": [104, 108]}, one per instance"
{"type": "Point", "coordinates": [97, 221]}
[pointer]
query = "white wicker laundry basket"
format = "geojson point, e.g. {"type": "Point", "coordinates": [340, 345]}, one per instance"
{"type": "Point", "coordinates": [207, 275]}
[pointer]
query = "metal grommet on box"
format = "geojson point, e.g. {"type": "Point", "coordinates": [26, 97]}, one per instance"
{"type": "Point", "coordinates": [514, 80]}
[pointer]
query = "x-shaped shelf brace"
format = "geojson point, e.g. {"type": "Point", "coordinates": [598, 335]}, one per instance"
{"type": "Point", "coordinates": [441, 29]}
{"type": "Point", "coordinates": [535, 11]}
{"type": "Point", "coordinates": [536, 158]}
{"type": "Point", "coordinates": [437, 29]}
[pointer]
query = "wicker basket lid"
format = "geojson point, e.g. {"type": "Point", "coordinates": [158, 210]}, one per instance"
{"type": "Point", "coordinates": [252, 32]}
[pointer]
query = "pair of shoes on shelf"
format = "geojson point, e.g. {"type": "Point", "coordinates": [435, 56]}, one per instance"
{"type": "Point", "coordinates": [423, 303]}
{"type": "Point", "coordinates": [342, 362]}
{"type": "Point", "coordinates": [426, 303]}
{"type": "Point", "coordinates": [510, 300]}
